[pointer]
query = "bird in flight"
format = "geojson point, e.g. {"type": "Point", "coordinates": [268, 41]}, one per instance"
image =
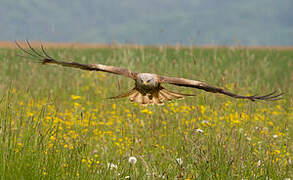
{"type": "Point", "coordinates": [148, 87]}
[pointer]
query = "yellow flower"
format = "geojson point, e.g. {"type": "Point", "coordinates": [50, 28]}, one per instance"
{"type": "Point", "coordinates": [202, 109]}
{"type": "Point", "coordinates": [114, 106]}
{"type": "Point", "coordinates": [73, 97]}
{"type": "Point", "coordinates": [276, 151]}
{"type": "Point", "coordinates": [52, 138]}
{"type": "Point", "coordinates": [76, 105]}
{"type": "Point", "coordinates": [29, 114]}
{"type": "Point", "coordinates": [146, 111]}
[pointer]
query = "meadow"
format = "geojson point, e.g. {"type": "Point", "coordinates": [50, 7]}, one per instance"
{"type": "Point", "coordinates": [56, 123]}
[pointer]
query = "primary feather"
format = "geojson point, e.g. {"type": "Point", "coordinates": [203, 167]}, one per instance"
{"type": "Point", "coordinates": [148, 89]}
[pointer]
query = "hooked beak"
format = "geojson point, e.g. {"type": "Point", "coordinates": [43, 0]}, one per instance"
{"type": "Point", "coordinates": [145, 83]}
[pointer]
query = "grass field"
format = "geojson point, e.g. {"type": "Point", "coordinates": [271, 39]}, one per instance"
{"type": "Point", "coordinates": [55, 122]}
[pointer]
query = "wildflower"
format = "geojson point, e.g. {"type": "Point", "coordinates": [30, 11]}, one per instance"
{"type": "Point", "coordinates": [161, 176]}
{"type": "Point", "coordinates": [202, 109]}
{"type": "Point", "coordinates": [275, 136]}
{"type": "Point", "coordinates": [52, 138]}
{"type": "Point", "coordinates": [30, 114]}
{"type": "Point", "coordinates": [95, 151]}
{"type": "Point", "coordinates": [276, 151]}
{"type": "Point", "coordinates": [73, 97]}
{"type": "Point", "coordinates": [205, 122]}
{"type": "Point", "coordinates": [127, 177]}
{"type": "Point", "coordinates": [112, 166]}
{"type": "Point", "coordinates": [258, 163]}
{"type": "Point", "coordinates": [146, 111]}
{"type": "Point", "coordinates": [199, 130]}
{"type": "Point", "coordinates": [132, 160]}
{"type": "Point", "coordinates": [179, 161]}
{"type": "Point", "coordinates": [76, 105]}
{"type": "Point", "coordinates": [114, 106]}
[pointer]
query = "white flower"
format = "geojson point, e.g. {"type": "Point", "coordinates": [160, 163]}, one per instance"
{"type": "Point", "coordinates": [179, 161]}
{"type": "Point", "coordinates": [275, 136]}
{"type": "Point", "coordinates": [258, 163]}
{"type": "Point", "coordinates": [199, 130]}
{"type": "Point", "coordinates": [205, 122]}
{"type": "Point", "coordinates": [127, 177]}
{"type": "Point", "coordinates": [132, 160]}
{"type": "Point", "coordinates": [161, 176]}
{"type": "Point", "coordinates": [112, 166]}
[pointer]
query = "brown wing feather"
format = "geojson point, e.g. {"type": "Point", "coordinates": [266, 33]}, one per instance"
{"type": "Point", "coordinates": [46, 59]}
{"type": "Point", "coordinates": [208, 88]}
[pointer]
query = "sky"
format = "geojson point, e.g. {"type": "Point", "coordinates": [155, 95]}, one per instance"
{"type": "Point", "coordinates": [190, 22]}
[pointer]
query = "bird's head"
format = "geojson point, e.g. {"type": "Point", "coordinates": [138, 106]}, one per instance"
{"type": "Point", "coordinates": [147, 79]}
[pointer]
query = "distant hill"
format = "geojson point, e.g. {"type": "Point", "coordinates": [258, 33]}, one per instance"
{"type": "Point", "coordinates": [225, 22]}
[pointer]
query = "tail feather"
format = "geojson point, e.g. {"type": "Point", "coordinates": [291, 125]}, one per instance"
{"type": "Point", "coordinates": [164, 96]}
{"type": "Point", "coordinates": [157, 97]}
{"type": "Point", "coordinates": [138, 98]}
{"type": "Point", "coordinates": [146, 100]}
{"type": "Point", "coordinates": [168, 95]}
{"type": "Point", "coordinates": [133, 96]}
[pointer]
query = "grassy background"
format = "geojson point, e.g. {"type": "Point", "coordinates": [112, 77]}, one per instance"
{"type": "Point", "coordinates": [55, 122]}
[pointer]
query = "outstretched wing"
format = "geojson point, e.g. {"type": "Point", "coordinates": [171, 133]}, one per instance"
{"type": "Point", "coordinates": [208, 88]}
{"type": "Point", "coordinates": [44, 58]}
